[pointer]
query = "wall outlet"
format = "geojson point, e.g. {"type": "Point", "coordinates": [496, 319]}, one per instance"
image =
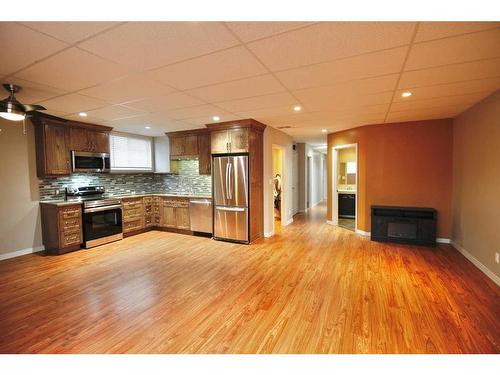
{"type": "Point", "coordinates": [497, 257]}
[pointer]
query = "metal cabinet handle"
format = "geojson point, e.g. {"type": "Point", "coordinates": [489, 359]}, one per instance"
{"type": "Point", "coordinates": [232, 209]}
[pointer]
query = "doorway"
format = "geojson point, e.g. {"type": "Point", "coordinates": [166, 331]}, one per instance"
{"type": "Point", "coordinates": [278, 183]}
{"type": "Point", "coordinates": [345, 186]}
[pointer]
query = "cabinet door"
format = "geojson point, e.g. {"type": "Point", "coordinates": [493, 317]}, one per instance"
{"type": "Point", "coordinates": [79, 139]}
{"type": "Point", "coordinates": [168, 216]}
{"type": "Point", "coordinates": [99, 141]}
{"type": "Point", "coordinates": [238, 140]}
{"type": "Point", "coordinates": [219, 142]}
{"type": "Point", "coordinates": [57, 152]}
{"type": "Point", "coordinates": [204, 158]}
{"type": "Point", "coordinates": [176, 146]}
{"type": "Point", "coordinates": [182, 217]}
{"type": "Point", "coordinates": [190, 145]}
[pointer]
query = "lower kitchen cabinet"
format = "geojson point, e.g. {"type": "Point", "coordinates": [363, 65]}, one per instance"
{"type": "Point", "coordinates": [132, 214]}
{"type": "Point", "coordinates": [61, 227]}
{"type": "Point", "coordinates": [347, 205]}
{"type": "Point", "coordinates": [175, 213]}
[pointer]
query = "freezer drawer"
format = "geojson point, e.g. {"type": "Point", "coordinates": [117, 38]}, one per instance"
{"type": "Point", "coordinates": [231, 223]}
{"type": "Point", "coordinates": [200, 213]}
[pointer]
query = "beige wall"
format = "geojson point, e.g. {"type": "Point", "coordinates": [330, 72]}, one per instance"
{"type": "Point", "coordinates": [274, 137]}
{"type": "Point", "coordinates": [476, 181]}
{"type": "Point", "coordinates": [20, 227]}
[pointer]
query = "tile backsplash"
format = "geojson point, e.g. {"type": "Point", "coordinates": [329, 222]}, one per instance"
{"type": "Point", "coordinates": [188, 181]}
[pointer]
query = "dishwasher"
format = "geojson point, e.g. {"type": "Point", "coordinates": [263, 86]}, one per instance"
{"type": "Point", "coordinates": [200, 214]}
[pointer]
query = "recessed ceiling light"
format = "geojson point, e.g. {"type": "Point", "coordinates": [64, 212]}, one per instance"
{"type": "Point", "coordinates": [297, 108]}
{"type": "Point", "coordinates": [82, 114]}
{"type": "Point", "coordinates": [406, 94]}
{"type": "Point", "coordinates": [147, 127]}
{"type": "Point", "coordinates": [216, 118]}
{"type": "Point", "coordinates": [324, 130]}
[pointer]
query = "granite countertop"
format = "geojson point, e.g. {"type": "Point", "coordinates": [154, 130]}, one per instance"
{"type": "Point", "coordinates": [62, 202]}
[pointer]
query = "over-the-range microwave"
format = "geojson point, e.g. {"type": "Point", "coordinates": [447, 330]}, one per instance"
{"type": "Point", "coordinates": [90, 161]}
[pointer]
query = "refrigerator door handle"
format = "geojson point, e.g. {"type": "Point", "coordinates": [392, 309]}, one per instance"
{"type": "Point", "coordinates": [227, 181]}
{"type": "Point", "coordinates": [231, 209]}
{"type": "Point", "coordinates": [230, 184]}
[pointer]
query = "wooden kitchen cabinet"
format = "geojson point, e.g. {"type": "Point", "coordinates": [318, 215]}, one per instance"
{"type": "Point", "coordinates": [89, 140]}
{"type": "Point", "coordinates": [132, 214]}
{"type": "Point", "coordinates": [190, 144]}
{"type": "Point", "coordinates": [183, 145]}
{"type": "Point", "coordinates": [61, 227]}
{"type": "Point", "coordinates": [175, 213]}
{"type": "Point", "coordinates": [204, 156]}
{"type": "Point", "coordinates": [55, 138]}
{"type": "Point", "coordinates": [229, 141]}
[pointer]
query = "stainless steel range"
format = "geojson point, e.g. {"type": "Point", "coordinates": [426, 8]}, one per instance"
{"type": "Point", "coordinates": [102, 216]}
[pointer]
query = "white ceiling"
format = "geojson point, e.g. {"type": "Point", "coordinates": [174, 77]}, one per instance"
{"type": "Point", "coordinates": [177, 75]}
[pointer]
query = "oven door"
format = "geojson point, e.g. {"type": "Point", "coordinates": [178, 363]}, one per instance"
{"type": "Point", "coordinates": [101, 222]}
{"type": "Point", "coordinates": [90, 161]}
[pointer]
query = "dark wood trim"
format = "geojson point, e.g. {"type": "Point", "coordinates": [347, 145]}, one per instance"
{"type": "Point", "coordinates": [138, 231]}
{"type": "Point", "coordinates": [46, 118]}
{"type": "Point", "coordinates": [63, 250]}
{"type": "Point", "coordinates": [174, 230]}
{"type": "Point", "coordinates": [246, 123]}
{"type": "Point", "coordinates": [181, 133]}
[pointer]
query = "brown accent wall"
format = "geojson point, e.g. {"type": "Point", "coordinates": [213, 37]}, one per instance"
{"type": "Point", "coordinates": [403, 164]}
{"type": "Point", "coordinates": [476, 181]}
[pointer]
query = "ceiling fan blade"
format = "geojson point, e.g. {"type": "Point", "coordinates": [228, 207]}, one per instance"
{"type": "Point", "coordinates": [33, 107]}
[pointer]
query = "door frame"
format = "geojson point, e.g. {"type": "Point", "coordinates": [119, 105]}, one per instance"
{"type": "Point", "coordinates": [335, 194]}
{"type": "Point", "coordinates": [284, 193]}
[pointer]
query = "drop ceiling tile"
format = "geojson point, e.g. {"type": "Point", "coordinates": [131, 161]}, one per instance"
{"type": "Point", "coordinates": [464, 48]}
{"type": "Point", "coordinates": [436, 30]}
{"type": "Point", "coordinates": [159, 124]}
{"type": "Point", "coordinates": [244, 88]}
{"type": "Point", "coordinates": [165, 103]}
{"type": "Point", "coordinates": [457, 88]}
{"type": "Point", "coordinates": [364, 66]}
{"type": "Point", "coordinates": [202, 121]}
{"type": "Point", "coordinates": [328, 41]}
{"type": "Point", "coordinates": [450, 73]}
{"type": "Point", "coordinates": [248, 31]}
{"type": "Point", "coordinates": [205, 110]}
{"type": "Point", "coordinates": [147, 45]}
{"type": "Point", "coordinates": [259, 102]}
{"type": "Point", "coordinates": [127, 89]}
{"type": "Point", "coordinates": [231, 64]}
{"type": "Point", "coordinates": [31, 92]}
{"type": "Point", "coordinates": [22, 46]}
{"type": "Point", "coordinates": [88, 119]}
{"type": "Point", "coordinates": [114, 112]}
{"type": "Point", "coordinates": [267, 112]}
{"type": "Point", "coordinates": [71, 70]}
{"type": "Point", "coordinates": [70, 32]}
{"type": "Point", "coordinates": [73, 103]}
{"type": "Point", "coordinates": [362, 92]}
{"type": "Point", "coordinates": [455, 100]}
{"type": "Point", "coordinates": [426, 114]}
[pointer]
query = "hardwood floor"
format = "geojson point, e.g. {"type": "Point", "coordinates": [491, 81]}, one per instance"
{"type": "Point", "coordinates": [312, 288]}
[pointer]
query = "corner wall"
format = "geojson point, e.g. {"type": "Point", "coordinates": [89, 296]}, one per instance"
{"type": "Point", "coordinates": [401, 164]}
{"type": "Point", "coordinates": [275, 137]}
{"type": "Point", "coordinates": [476, 183]}
{"type": "Point", "coordinates": [20, 225]}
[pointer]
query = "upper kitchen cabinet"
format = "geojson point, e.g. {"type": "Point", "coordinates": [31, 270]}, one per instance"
{"type": "Point", "coordinates": [89, 140]}
{"type": "Point", "coordinates": [191, 144]}
{"type": "Point", "coordinates": [233, 136]}
{"type": "Point", "coordinates": [55, 138]}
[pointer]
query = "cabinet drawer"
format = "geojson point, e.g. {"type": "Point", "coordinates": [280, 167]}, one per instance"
{"type": "Point", "coordinates": [148, 221]}
{"type": "Point", "coordinates": [132, 202]}
{"type": "Point", "coordinates": [70, 239]}
{"type": "Point", "coordinates": [132, 212]}
{"type": "Point", "coordinates": [71, 230]}
{"type": "Point", "coordinates": [70, 212]}
{"type": "Point", "coordinates": [148, 200]}
{"type": "Point", "coordinates": [131, 225]}
{"type": "Point", "coordinates": [71, 222]}
{"type": "Point", "coordinates": [176, 203]}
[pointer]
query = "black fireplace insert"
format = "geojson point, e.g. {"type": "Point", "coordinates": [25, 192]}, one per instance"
{"type": "Point", "coordinates": [409, 225]}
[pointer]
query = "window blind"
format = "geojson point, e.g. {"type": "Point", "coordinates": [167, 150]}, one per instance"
{"type": "Point", "coordinates": [129, 153]}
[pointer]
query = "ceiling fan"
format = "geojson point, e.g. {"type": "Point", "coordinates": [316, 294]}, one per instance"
{"type": "Point", "coordinates": [12, 109]}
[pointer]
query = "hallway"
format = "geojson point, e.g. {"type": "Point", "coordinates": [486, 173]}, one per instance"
{"type": "Point", "coordinates": [312, 288]}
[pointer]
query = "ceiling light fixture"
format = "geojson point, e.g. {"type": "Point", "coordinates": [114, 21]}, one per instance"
{"type": "Point", "coordinates": [297, 108]}
{"type": "Point", "coordinates": [11, 109]}
{"type": "Point", "coordinates": [82, 114]}
{"type": "Point", "coordinates": [406, 94]}
{"type": "Point", "coordinates": [147, 127]}
{"type": "Point", "coordinates": [324, 130]}
{"type": "Point", "coordinates": [216, 118]}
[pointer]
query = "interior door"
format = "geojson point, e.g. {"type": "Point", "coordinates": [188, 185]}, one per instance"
{"type": "Point", "coordinates": [237, 181]}
{"type": "Point", "coordinates": [231, 223]}
{"type": "Point", "coordinates": [220, 180]}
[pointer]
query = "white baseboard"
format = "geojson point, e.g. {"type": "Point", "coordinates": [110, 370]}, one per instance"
{"type": "Point", "coordinates": [18, 253]}
{"type": "Point", "coordinates": [363, 233]}
{"type": "Point", "coordinates": [443, 240]}
{"type": "Point", "coordinates": [330, 222]}
{"type": "Point", "coordinates": [269, 234]}
{"type": "Point", "coordinates": [288, 222]}
{"type": "Point", "coordinates": [477, 263]}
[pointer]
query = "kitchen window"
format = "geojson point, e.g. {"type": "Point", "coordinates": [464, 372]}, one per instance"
{"type": "Point", "coordinates": [131, 153]}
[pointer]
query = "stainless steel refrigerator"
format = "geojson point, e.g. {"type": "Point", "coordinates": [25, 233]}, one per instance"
{"type": "Point", "coordinates": [230, 198]}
